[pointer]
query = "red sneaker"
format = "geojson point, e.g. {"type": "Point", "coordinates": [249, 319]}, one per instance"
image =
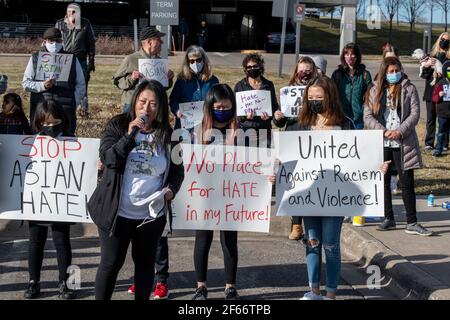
{"type": "Point", "coordinates": [131, 289]}
{"type": "Point", "coordinates": [161, 291]}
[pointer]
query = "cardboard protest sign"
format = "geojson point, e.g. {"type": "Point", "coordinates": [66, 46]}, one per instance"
{"type": "Point", "coordinates": [192, 114]}
{"type": "Point", "coordinates": [47, 179]}
{"type": "Point", "coordinates": [53, 66]}
{"type": "Point", "coordinates": [330, 173]}
{"type": "Point", "coordinates": [291, 100]}
{"type": "Point", "coordinates": [224, 188]}
{"type": "Point", "coordinates": [258, 101]}
{"type": "Point", "coordinates": [155, 69]}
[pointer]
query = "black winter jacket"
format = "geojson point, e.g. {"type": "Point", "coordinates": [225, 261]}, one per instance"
{"type": "Point", "coordinates": [115, 145]}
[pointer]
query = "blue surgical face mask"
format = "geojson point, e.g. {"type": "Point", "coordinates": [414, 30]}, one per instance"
{"type": "Point", "coordinates": [222, 115]}
{"type": "Point", "coordinates": [53, 47]}
{"type": "Point", "coordinates": [393, 78]}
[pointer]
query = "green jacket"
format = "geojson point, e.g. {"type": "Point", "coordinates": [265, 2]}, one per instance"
{"type": "Point", "coordinates": [122, 78]}
{"type": "Point", "coordinates": [351, 92]}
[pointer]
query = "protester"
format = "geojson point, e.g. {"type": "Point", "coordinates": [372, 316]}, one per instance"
{"type": "Point", "coordinates": [127, 77]}
{"type": "Point", "coordinates": [305, 72]}
{"type": "Point", "coordinates": [393, 106]}
{"type": "Point", "coordinates": [183, 33]}
{"type": "Point", "coordinates": [79, 39]}
{"type": "Point", "coordinates": [253, 65]}
{"type": "Point", "coordinates": [443, 108]}
{"type": "Point", "coordinates": [12, 118]}
{"type": "Point", "coordinates": [49, 120]}
{"type": "Point", "coordinates": [202, 34]}
{"type": "Point", "coordinates": [132, 201]}
{"type": "Point", "coordinates": [66, 93]}
{"type": "Point", "coordinates": [193, 82]}
{"type": "Point", "coordinates": [441, 52]}
{"type": "Point", "coordinates": [352, 80]}
{"type": "Point", "coordinates": [220, 116]}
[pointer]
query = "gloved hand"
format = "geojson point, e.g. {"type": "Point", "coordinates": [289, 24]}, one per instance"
{"type": "Point", "coordinates": [91, 65]}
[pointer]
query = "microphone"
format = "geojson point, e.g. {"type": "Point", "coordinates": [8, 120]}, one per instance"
{"type": "Point", "coordinates": [135, 129]}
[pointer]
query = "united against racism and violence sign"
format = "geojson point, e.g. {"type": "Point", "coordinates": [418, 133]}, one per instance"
{"type": "Point", "coordinates": [257, 101]}
{"type": "Point", "coordinates": [47, 179]}
{"type": "Point", "coordinates": [53, 66]}
{"type": "Point", "coordinates": [330, 173]}
{"type": "Point", "coordinates": [291, 100]}
{"type": "Point", "coordinates": [224, 188]}
{"type": "Point", "coordinates": [155, 69]}
{"type": "Point", "coordinates": [192, 114]}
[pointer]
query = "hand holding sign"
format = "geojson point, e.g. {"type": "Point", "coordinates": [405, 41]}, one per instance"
{"type": "Point", "coordinates": [53, 66]}
{"type": "Point", "coordinates": [155, 69]}
{"type": "Point", "coordinates": [291, 100]}
{"type": "Point", "coordinates": [190, 114]}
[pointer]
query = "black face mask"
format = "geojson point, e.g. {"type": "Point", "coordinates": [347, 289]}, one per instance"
{"type": "Point", "coordinates": [52, 131]}
{"type": "Point", "coordinates": [444, 44]}
{"type": "Point", "coordinates": [254, 73]}
{"type": "Point", "coordinates": [316, 106]}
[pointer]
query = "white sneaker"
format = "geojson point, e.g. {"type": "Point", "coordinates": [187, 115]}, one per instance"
{"type": "Point", "coordinates": [311, 296]}
{"type": "Point", "coordinates": [394, 181]}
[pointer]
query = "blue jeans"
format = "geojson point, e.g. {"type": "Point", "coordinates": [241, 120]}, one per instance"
{"type": "Point", "coordinates": [359, 125]}
{"type": "Point", "coordinates": [444, 129]}
{"type": "Point", "coordinates": [326, 231]}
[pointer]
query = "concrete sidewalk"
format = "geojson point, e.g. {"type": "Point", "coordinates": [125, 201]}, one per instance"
{"type": "Point", "coordinates": [419, 265]}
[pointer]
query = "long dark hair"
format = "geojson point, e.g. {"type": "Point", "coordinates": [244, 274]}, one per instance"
{"type": "Point", "coordinates": [382, 84]}
{"type": "Point", "coordinates": [46, 108]}
{"type": "Point", "coordinates": [17, 100]}
{"type": "Point", "coordinates": [332, 108]}
{"type": "Point", "coordinates": [216, 93]}
{"type": "Point", "coordinates": [161, 122]}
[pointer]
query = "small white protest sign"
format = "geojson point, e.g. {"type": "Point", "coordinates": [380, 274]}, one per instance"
{"type": "Point", "coordinates": [291, 100]}
{"type": "Point", "coordinates": [192, 114]}
{"type": "Point", "coordinates": [258, 101]}
{"type": "Point", "coordinates": [155, 69]}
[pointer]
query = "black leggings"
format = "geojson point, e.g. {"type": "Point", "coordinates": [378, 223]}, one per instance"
{"type": "Point", "coordinates": [407, 186]}
{"type": "Point", "coordinates": [228, 240]}
{"type": "Point", "coordinates": [61, 240]}
{"type": "Point", "coordinates": [114, 249]}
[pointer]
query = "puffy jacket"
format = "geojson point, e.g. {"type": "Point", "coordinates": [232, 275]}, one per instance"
{"type": "Point", "coordinates": [115, 145]}
{"type": "Point", "coordinates": [188, 91]}
{"type": "Point", "coordinates": [352, 91]}
{"type": "Point", "coordinates": [409, 117]}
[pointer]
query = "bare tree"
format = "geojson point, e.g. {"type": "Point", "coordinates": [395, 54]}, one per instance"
{"type": "Point", "coordinates": [445, 5]}
{"type": "Point", "coordinates": [390, 7]}
{"type": "Point", "coordinates": [413, 9]}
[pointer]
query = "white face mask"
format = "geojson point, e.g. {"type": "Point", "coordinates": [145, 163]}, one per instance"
{"type": "Point", "coordinates": [196, 67]}
{"type": "Point", "coordinates": [53, 47]}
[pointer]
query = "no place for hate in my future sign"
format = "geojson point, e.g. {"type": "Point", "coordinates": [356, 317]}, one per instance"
{"type": "Point", "coordinates": [225, 188]}
{"type": "Point", "coordinates": [330, 173]}
{"type": "Point", "coordinates": [47, 179]}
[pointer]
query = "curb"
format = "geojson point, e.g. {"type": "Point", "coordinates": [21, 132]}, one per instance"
{"type": "Point", "coordinates": [367, 250]}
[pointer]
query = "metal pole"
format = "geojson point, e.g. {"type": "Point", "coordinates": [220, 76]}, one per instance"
{"type": "Point", "coordinates": [283, 38]}
{"type": "Point", "coordinates": [431, 26]}
{"type": "Point", "coordinates": [297, 40]}
{"type": "Point", "coordinates": [164, 51]}
{"type": "Point", "coordinates": [136, 43]}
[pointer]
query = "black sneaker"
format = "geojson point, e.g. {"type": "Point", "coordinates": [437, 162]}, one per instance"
{"type": "Point", "coordinates": [387, 225]}
{"type": "Point", "coordinates": [201, 293]}
{"type": "Point", "coordinates": [231, 294]}
{"type": "Point", "coordinates": [64, 292]}
{"type": "Point", "coordinates": [33, 291]}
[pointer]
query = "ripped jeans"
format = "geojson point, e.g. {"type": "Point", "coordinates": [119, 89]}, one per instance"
{"type": "Point", "coordinates": [327, 233]}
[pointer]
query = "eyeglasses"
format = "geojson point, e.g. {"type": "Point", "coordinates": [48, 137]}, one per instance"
{"type": "Point", "coordinates": [255, 66]}
{"type": "Point", "coordinates": [198, 60]}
